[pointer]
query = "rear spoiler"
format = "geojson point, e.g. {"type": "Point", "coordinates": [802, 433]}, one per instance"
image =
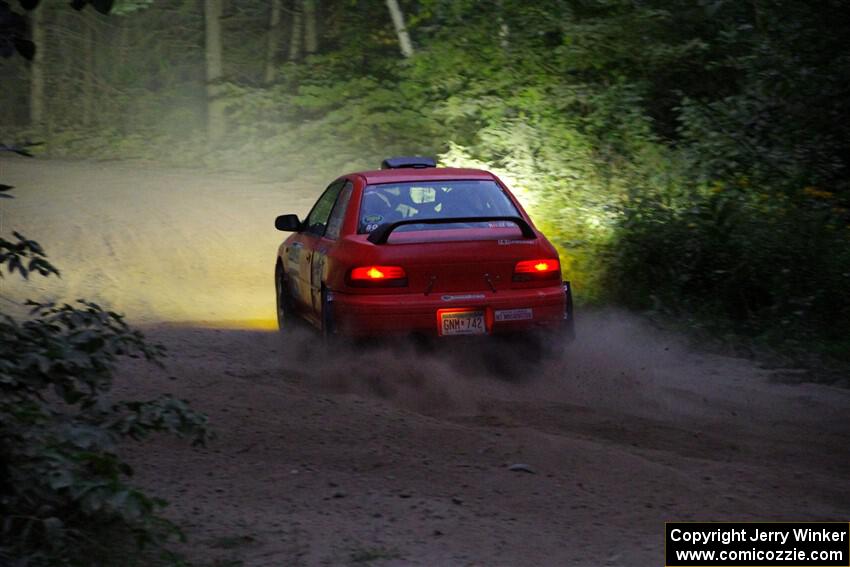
{"type": "Point", "coordinates": [381, 234]}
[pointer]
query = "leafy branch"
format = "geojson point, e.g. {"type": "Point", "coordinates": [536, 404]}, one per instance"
{"type": "Point", "coordinates": [64, 493]}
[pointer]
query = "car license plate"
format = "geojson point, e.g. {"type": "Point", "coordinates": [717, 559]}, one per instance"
{"type": "Point", "coordinates": [462, 323]}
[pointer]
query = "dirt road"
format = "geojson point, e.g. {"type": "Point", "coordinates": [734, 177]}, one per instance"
{"type": "Point", "coordinates": [392, 457]}
{"type": "Point", "coordinates": [158, 246]}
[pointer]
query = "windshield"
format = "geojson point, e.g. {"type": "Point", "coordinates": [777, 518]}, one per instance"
{"type": "Point", "coordinates": [391, 202]}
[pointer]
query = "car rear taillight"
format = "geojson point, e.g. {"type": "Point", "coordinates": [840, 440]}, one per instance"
{"type": "Point", "coordinates": [377, 276]}
{"type": "Point", "coordinates": [527, 270]}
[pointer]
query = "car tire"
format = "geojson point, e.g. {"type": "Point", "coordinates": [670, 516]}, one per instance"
{"type": "Point", "coordinates": [287, 319]}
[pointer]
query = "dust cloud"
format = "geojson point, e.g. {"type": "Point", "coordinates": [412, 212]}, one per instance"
{"type": "Point", "coordinates": [175, 246]}
{"type": "Point", "coordinates": [617, 362]}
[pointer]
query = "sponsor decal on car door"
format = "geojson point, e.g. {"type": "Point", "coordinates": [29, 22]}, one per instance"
{"type": "Point", "coordinates": [315, 224]}
{"type": "Point", "coordinates": [318, 269]}
{"type": "Point", "coordinates": [294, 255]}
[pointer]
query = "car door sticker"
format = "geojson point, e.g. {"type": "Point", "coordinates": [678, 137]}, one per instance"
{"type": "Point", "coordinates": [293, 253]}
{"type": "Point", "coordinates": [317, 267]}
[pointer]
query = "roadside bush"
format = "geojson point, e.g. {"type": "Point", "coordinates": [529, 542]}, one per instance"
{"type": "Point", "coordinates": [65, 498]}
{"type": "Point", "coordinates": [765, 265]}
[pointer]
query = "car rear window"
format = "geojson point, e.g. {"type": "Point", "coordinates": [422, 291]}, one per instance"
{"type": "Point", "coordinates": [391, 202]}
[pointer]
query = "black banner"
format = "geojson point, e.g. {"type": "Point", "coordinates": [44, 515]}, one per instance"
{"type": "Point", "coordinates": [757, 544]}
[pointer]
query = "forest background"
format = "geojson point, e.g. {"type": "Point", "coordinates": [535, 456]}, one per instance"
{"type": "Point", "coordinates": [688, 157]}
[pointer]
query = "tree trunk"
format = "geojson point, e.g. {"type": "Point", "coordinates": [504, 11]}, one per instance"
{"type": "Point", "coordinates": [504, 29]}
{"type": "Point", "coordinates": [65, 71]}
{"type": "Point", "coordinates": [37, 105]}
{"type": "Point", "coordinates": [295, 39]}
{"type": "Point", "coordinates": [273, 42]}
{"type": "Point", "coordinates": [400, 30]}
{"type": "Point", "coordinates": [87, 23]}
{"type": "Point", "coordinates": [311, 40]}
{"type": "Point", "coordinates": [7, 97]}
{"type": "Point", "coordinates": [123, 58]}
{"type": "Point", "coordinates": [215, 106]}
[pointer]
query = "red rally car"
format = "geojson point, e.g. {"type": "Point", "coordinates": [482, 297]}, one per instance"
{"type": "Point", "coordinates": [413, 249]}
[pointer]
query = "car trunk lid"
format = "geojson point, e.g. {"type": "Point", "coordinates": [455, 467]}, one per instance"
{"type": "Point", "coordinates": [461, 260]}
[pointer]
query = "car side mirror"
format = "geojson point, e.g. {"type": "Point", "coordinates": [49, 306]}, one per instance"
{"type": "Point", "coordinates": [287, 223]}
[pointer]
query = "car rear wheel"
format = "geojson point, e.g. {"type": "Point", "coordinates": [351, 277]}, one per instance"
{"type": "Point", "coordinates": [287, 320]}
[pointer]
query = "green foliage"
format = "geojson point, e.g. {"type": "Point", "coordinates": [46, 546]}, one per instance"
{"type": "Point", "coordinates": [756, 237]}
{"type": "Point", "coordinates": [326, 123]}
{"type": "Point", "coordinates": [64, 495]}
{"type": "Point", "coordinates": [772, 265]}
{"type": "Point", "coordinates": [24, 256]}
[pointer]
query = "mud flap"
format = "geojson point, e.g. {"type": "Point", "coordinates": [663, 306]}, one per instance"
{"type": "Point", "coordinates": [569, 329]}
{"type": "Point", "coordinates": [328, 329]}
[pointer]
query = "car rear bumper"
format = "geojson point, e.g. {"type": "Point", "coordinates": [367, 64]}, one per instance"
{"type": "Point", "coordinates": [506, 312]}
